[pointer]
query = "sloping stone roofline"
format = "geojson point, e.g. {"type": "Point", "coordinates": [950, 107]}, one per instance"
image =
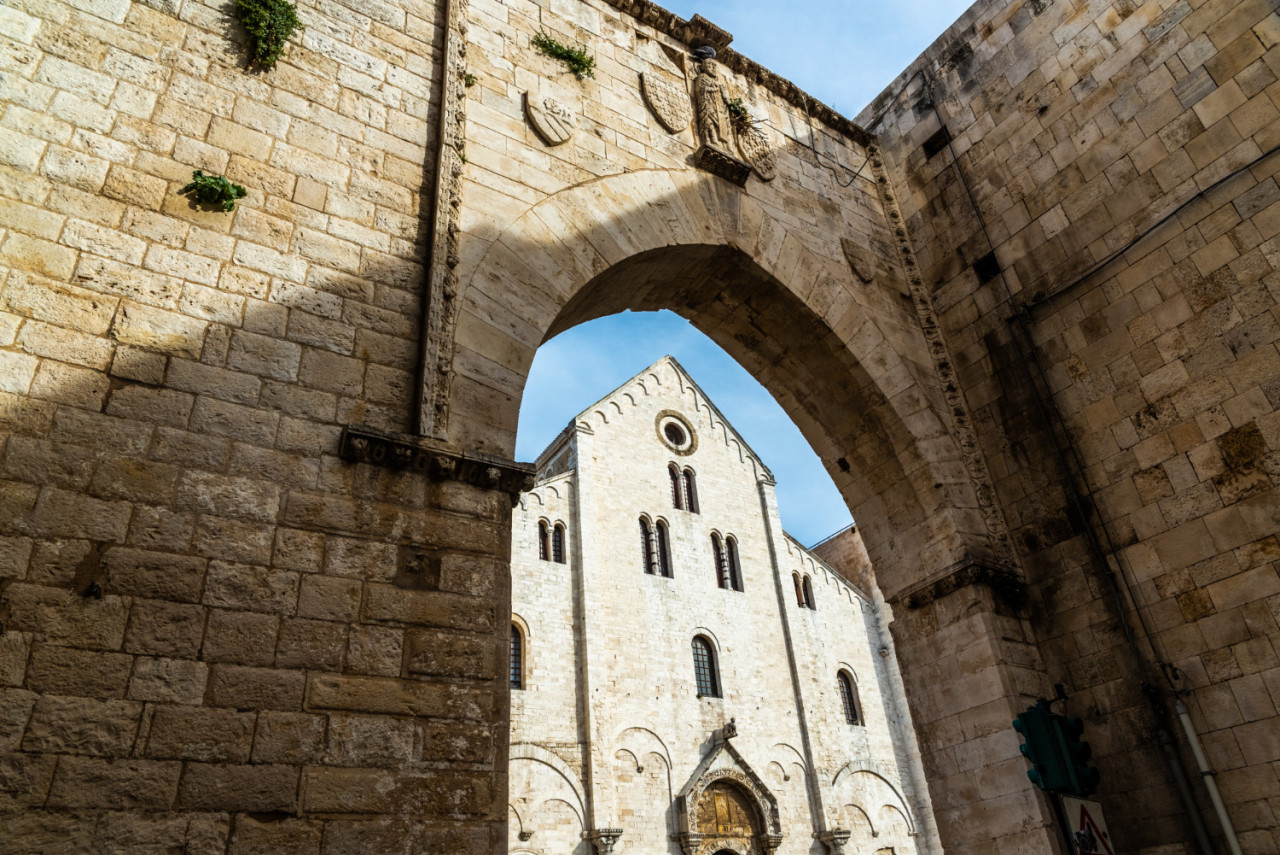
{"type": "Point", "coordinates": [699, 31]}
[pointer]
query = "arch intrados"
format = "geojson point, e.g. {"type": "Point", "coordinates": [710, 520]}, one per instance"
{"type": "Point", "coordinates": [688, 244]}
{"type": "Point", "coordinates": [830, 395]}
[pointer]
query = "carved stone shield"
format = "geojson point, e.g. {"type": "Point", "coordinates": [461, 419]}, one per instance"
{"type": "Point", "coordinates": [755, 149]}
{"type": "Point", "coordinates": [553, 121]}
{"type": "Point", "coordinates": [859, 259]}
{"type": "Point", "coordinates": [668, 101]}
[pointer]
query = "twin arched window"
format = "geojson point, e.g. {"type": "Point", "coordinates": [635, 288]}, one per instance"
{"type": "Point", "coordinates": [849, 698]}
{"type": "Point", "coordinates": [551, 542]}
{"type": "Point", "coordinates": [655, 547]}
{"type": "Point", "coordinates": [684, 489]}
{"type": "Point", "coordinates": [704, 668]}
{"type": "Point", "coordinates": [728, 571]}
{"type": "Point", "coordinates": [804, 591]}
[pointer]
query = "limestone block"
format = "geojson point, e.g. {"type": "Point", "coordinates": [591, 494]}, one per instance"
{"type": "Point", "coordinates": [210, 735]}
{"type": "Point", "coordinates": [289, 738]}
{"type": "Point", "coordinates": [82, 726]}
{"type": "Point", "coordinates": [84, 782]}
{"type": "Point", "coordinates": [256, 688]}
{"type": "Point", "coordinates": [233, 788]}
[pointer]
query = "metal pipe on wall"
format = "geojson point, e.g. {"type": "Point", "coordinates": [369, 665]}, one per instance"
{"type": "Point", "coordinates": [1206, 774]}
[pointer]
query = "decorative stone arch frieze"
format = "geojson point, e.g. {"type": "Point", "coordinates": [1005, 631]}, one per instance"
{"type": "Point", "coordinates": [537, 754]}
{"type": "Point", "coordinates": [849, 771]}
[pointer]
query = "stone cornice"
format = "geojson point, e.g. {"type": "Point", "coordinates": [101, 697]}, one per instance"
{"type": "Point", "coordinates": [1008, 586]}
{"type": "Point", "coordinates": [437, 460]}
{"type": "Point", "coordinates": [699, 31]}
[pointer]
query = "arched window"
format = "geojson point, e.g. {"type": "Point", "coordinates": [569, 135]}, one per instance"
{"type": "Point", "coordinates": [664, 549]}
{"type": "Point", "coordinates": [647, 547]}
{"type": "Point", "coordinates": [731, 559]}
{"type": "Point", "coordinates": [704, 668]}
{"type": "Point", "coordinates": [517, 658]}
{"type": "Point", "coordinates": [677, 491]}
{"type": "Point", "coordinates": [690, 491]}
{"type": "Point", "coordinates": [795, 579]}
{"type": "Point", "coordinates": [808, 593]}
{"type": "Point", "coordinates": [849, 697]}
{"type": "Point", "coordinates": [544, 548]}
{"type": "Point", "coordinates": [557, 544]}
{"type": "Point", "coordinates": [722, 566]}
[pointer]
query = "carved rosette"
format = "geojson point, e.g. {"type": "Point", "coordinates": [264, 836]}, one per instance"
{"type": "Point", "coordinates": [668, 101]}
{"type": "Point", "coordinates": [552, 120]}
{"type": "Point", "coordinates": [754, 145]}
{"type": "Point", "coordinates": [363, 444]}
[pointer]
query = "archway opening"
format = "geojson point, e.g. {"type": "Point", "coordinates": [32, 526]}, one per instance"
{"type": "Point", "coordinates": [583, 364]}
{"type": "Point", "coordinates": [866, 408]}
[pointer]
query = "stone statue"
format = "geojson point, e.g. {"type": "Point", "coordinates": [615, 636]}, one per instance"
{"type": "Point", "coordinates": [711, 100]}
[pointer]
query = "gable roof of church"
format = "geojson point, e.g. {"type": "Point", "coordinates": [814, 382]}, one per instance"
{"type": "Point", "coordinates": [703, 400]}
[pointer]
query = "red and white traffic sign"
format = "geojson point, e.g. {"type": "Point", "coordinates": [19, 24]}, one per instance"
{"type": "Point", "coordinates": [1087, 826]}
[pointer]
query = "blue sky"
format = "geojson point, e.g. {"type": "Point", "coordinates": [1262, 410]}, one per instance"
{"type": "Point", "coordinates": [842, 53]}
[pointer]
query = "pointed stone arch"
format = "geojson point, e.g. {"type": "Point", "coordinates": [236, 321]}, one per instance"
{"type": "Point", "coordinates": [847, 360]}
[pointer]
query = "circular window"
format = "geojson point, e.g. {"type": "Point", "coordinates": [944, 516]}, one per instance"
{"type": "Point", "coordinates": [675, 432]}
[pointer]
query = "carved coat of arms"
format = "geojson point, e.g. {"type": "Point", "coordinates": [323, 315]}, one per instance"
{"type": "Point", "coordinates": [668, 101]}
{"type": "Point", "coordinates": [754, 145]}
{"type": "Point", "coordinates": [553, 121]}
{"type": "Point", "coordinates": [859, 259]}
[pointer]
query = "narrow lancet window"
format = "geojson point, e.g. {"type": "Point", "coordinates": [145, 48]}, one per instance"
{"type": "Point", "coordinates": [544, 548]}
{"type": "Point", "coordinates": [704, 668]}
{"type": "Point", "coordinates": [664, 549]}
{"type": "Point", "coordinates": [517, 658]}
{"type": "Point", "coordinates": [690, 491]}
{"type": "Point", "coordinates": [557, 544]}
{"type": "Point", "coordinates": [848, 697]}
{"type": "Point", "coordinates": [677, 491]}
{"type": "Point", "coordinates": [734, 571]}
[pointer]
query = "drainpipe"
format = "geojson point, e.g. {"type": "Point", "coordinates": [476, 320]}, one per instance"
{"type": "Point", "coordinates": [1206, 774]}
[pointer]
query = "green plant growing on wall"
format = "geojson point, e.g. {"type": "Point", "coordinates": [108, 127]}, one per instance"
{"type": "Point", "coordinates": [214, 191]}
{"type": "Point", "coordinates": [581, 63]}
{"type": "Point", "coordinates": [469, 79]}
{"type": "Point", "coordinates": [269, 24]}
{"type": "Point", "coordinates": [741, 116]}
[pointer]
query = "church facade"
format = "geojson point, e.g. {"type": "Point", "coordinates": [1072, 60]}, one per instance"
{"type": "Point", "coordinates": [685, 676]}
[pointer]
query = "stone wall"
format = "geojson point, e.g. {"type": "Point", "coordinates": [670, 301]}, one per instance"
{"type": "Point", "coordinates": [214, 638]}
{"type": "Point", "coordinates": [1090, 188]}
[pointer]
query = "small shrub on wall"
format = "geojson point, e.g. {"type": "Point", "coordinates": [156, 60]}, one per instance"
{"type": "Point", "coordinates": [269, 24]}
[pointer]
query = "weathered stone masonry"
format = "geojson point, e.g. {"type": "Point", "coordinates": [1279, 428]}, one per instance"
{"type": "Point", "coordinates": [1057, 366]}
